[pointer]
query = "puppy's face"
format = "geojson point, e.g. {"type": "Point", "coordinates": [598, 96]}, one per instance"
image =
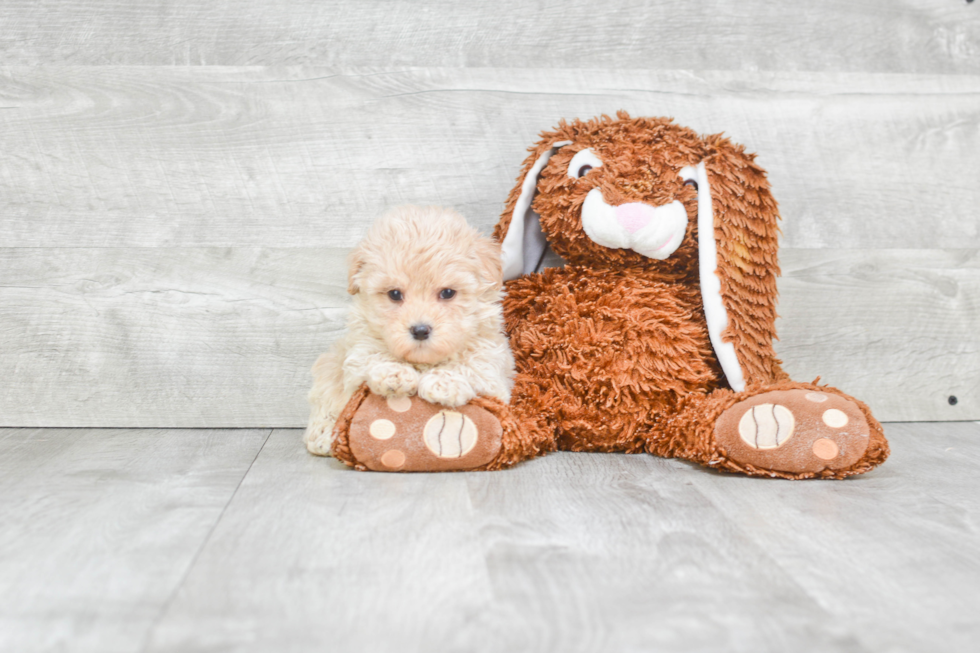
{"type": "Point", "coordinates": [426, 287]}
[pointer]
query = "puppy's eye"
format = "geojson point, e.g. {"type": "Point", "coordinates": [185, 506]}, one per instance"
{"type": "Point", "coordinates": [395, 295]}
{"type": "Point", "coordinates": [583, 162]}
{"type": "Point", "coordinates": [691, 182]}
{"type": "Point", "coordinates": [447, 293]}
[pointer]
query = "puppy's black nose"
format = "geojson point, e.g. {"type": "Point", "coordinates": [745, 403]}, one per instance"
{"type": "Point", "coordinates": [420, 331]}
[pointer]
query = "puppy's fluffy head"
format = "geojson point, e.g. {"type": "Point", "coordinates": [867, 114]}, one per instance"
{"type": "Point", "coordinates": [426, 284]}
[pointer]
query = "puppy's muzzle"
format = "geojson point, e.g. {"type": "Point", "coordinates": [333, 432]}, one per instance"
{"type": "Point", "coordinates": [420, 331]}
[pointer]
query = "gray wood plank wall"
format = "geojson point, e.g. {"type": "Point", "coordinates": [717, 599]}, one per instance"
{"type": "Point", "coordinates": [917, 36]}
{"type": "Point", "coordinates": [180, 181]}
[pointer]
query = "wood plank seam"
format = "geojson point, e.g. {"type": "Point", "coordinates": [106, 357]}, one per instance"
{"type": "Point", "coordinates": [197, 554]}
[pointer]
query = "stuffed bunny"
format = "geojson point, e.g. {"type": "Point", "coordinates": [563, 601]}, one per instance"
{"type": "Point", "coordinates": [657, 333]}
{"type": "Point", "coordinates": [655, 336]}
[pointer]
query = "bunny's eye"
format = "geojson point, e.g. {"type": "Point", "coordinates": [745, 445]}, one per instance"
{"type": "Point", "coordinates": [582, 163]}
{"type": "Point", "coordinates": [689, 174]}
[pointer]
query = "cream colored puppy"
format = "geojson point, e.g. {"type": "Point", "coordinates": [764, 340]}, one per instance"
{"type": "Point", "coordinates": [426, 319]}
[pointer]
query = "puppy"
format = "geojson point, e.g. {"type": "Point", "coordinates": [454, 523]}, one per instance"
{"type": "Point", "coordinates": [426, 319]}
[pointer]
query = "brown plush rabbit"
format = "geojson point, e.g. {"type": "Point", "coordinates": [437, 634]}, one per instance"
{"type": "Point", "coordinates": [657, 334]}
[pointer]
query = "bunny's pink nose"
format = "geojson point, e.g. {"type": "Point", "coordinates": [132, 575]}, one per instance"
{"type": "Point", "coordinates": [634, 216]}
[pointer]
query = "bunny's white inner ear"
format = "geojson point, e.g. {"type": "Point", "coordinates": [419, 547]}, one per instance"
{"type": "Point", "coordinates": [525, 244]}
{"type": "Point", "coordinates": [714, 308]}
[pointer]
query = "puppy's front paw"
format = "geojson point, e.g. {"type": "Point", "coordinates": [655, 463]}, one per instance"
{"type": "Point", "coordinates": [446, 388]}
{"type": "Point", "coordinates": [393, 380]}
{"type": "Point", "coordinates": [319, 436]}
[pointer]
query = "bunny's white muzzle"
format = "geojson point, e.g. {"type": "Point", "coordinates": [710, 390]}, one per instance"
{"type": "Point", "coordinates": [653, 231]}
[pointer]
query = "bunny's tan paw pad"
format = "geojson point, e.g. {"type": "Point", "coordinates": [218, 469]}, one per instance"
{"type": "Point", "coordinates": [409, 434]}
{"type": "Point", "coordinates": [796, 431]}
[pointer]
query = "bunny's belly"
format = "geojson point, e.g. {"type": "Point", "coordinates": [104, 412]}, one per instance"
{"type": "Point", "coordinates": [606, 355]}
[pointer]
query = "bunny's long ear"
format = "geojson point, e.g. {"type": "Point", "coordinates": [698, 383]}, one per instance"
{"type": "Point", "coordinates": [739, 265]}
{"type": "Point", "coordinates": [715, 309]}
{"type": "Point", "coordinates": [522, 242]}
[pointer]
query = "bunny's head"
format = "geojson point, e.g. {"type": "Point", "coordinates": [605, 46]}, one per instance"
{"type": "Point", "coordinates": [642, 194]}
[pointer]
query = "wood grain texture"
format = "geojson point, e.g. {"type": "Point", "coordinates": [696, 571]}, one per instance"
{"type": "Point", "coordinates": [591, 552]}
{"type": "Point", "coordinates": [100, 527]}
{"type": "Point", "coordinates": [892, 558]}
{"type": "Point", "coordinates": [306, 157]}
{"type": "Point", "coordinates": [214, 337]}
{"type": "Point", "coordinates": [173, 337]}
{"type": "Point", "coordinates": [831, 35]}
{"type": "Point", "coordinates": [899, 329]}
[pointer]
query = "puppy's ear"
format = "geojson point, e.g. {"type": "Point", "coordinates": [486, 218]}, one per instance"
{"type": "Point", "coordinates": [489, 267]}
{"type": "Point", "coordinates": [355, 263]}
{"type": "Point", "coordinates": [523, 243]}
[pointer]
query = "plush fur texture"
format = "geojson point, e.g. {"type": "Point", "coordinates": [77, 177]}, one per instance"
{"type": "Point", "coordinates": [613, 350]}
{"type": "Point", "coordinates": [418, 252]}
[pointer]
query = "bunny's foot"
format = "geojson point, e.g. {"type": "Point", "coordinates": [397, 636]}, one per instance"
{"type": "Point", "coordinates": [409, 434]}
{"type": "Point", "coordinates": [797, 431]}
{"type": "Point", "coordinates": [788, 430]}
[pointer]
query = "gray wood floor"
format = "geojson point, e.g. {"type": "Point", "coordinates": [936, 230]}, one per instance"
{"type": "Point", "coordinates": [194, 540]}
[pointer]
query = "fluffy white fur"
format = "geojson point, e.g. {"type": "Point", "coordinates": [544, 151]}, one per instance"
{"type": "Point", "coordinates": [419, 251]}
